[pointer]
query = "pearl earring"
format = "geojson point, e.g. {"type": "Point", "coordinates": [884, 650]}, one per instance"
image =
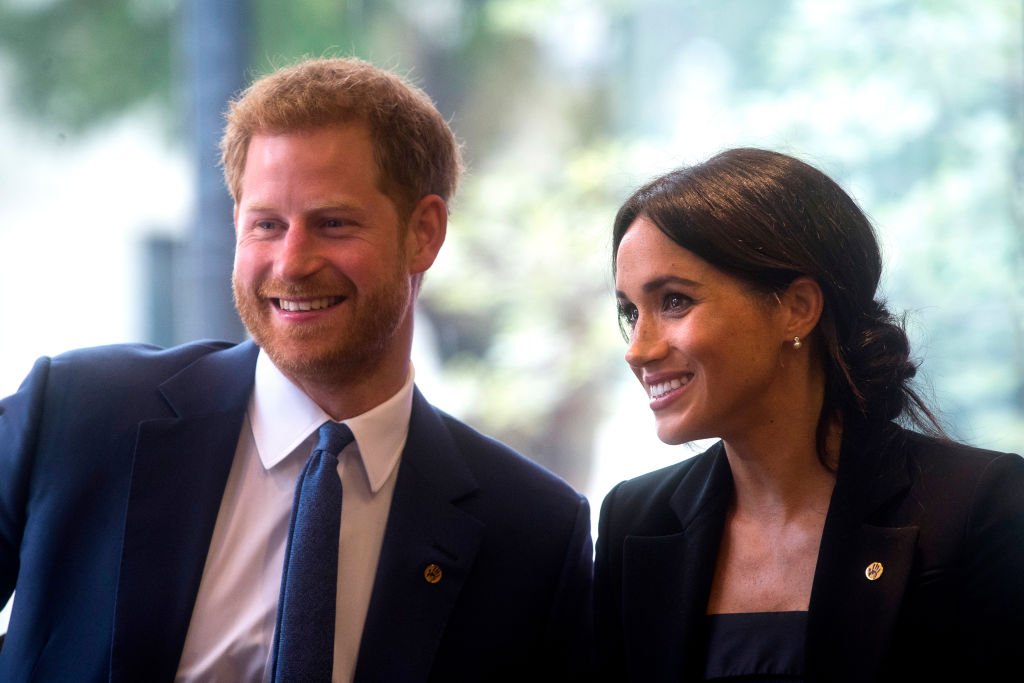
{"type": "Point", "coordinates": [797, 343]}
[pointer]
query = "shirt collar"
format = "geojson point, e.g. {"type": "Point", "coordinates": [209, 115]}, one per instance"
{"type": "Point", "coordinates": [283, 417]}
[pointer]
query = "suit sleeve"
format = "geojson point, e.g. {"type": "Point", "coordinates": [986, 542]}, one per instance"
{"type": "Point", "coordinates": [571, 625]}
{"type": "Point", "coordinates": [19, 419]}
{"type": "Point", "coordinates": [610, 655]}
{"type": "Point", "coordinates": [992, 611]}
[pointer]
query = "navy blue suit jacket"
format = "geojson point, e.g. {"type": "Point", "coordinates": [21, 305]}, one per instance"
{"type": "Point", "coordinates": [113, 462]}
{"type": "Point", "coordinates": [945, 521]}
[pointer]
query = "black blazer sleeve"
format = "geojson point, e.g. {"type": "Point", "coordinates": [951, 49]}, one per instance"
{"type": "Point", "coordinates": [991, 611]}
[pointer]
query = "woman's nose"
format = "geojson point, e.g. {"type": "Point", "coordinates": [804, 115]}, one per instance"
{"type": "Point", "coordinates": [646, 344]}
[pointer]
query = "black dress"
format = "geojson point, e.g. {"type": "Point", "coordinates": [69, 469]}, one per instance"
{"type": "Point", "coordinates": [756, 646]}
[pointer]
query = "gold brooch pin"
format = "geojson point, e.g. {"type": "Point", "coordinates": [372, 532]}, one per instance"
{"type": "Point", "coordinates": [432, 573]}
{"type": "Point", "coordinates": [874, 571]}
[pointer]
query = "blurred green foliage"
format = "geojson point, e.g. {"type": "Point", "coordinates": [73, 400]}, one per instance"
{"type": "Point", "coordinates": [565, 106]}
{"type": "Point", "coordinates": [79, 63]}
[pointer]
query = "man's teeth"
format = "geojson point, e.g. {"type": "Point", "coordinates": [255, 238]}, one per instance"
{"type": "Point", "coordinates": [308, 305]}
{"type": "Point", "coordinates": [663, 388]}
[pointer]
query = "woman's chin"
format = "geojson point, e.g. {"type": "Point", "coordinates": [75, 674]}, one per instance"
{"type": "Point", "coordinates": [674, 436]}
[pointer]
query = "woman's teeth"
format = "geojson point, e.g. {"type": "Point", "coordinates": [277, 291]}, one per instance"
{"type": "Point", "coordinates": [662, 388]}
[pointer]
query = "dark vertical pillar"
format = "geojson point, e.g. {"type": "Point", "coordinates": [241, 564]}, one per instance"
{"type": "Point", "coordinates": [161, 285]}
{"type": "Point", "coordinates": [216, 41]}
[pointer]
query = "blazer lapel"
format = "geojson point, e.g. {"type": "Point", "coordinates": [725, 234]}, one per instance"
{"type": "Point", "coordinates": [863, 568]}
{"type": "Point", "coordinates": [180, 469]}
{"type": "Point", "coordinates": [429, 548]}
{"type": "Point", "coordinates": [672, 574]}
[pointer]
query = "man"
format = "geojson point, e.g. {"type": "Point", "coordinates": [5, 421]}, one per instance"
{"type": "Point", "coordinates": [146, 495]}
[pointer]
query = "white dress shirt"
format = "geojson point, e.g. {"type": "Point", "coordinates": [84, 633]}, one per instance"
{"type": "Point", "coordinates": [232, 626]}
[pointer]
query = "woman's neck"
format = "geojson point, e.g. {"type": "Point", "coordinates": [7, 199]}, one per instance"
{"type": "Point", "coordinates": [782, 476]}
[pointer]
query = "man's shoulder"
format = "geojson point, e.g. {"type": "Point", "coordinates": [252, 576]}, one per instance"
{"type": "Point", "coordinates": [141, 354]}
{"type": "Point", "coordinates": [134, 360]}
{"type": "Point", "coordinates": [526, 510]}
{"type": "Point", "coordinates": [121, 370]}
{"type": "Point", "coordinates": [493, 461]}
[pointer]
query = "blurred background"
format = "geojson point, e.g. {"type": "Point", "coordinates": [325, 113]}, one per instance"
{"type": "Point", "coordinates": [115, 225]}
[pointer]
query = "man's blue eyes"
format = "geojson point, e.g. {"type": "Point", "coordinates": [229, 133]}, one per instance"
{"type": "Point", "coordinates": [327, 223]}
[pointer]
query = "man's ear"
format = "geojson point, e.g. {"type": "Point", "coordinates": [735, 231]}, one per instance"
{"type": "Point", "coordinates": [802, 302]}
{"type": "Point", "coordinates": [427, 227]}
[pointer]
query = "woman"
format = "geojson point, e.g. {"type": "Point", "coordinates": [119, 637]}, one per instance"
{"type": "Point", "coordinates": [817, 540]}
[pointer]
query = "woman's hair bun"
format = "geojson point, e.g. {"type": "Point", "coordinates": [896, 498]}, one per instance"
{"type": "Point", "coordinates": [878, 356]}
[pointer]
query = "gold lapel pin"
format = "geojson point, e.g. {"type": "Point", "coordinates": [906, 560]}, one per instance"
{"type": "Point", "coordinates": [432, 573]}
{"type": "Point", "coordinates": [874, 571]}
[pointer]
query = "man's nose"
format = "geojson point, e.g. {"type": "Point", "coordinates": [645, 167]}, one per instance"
{"type": "Point", "coordinates": [299, 255]}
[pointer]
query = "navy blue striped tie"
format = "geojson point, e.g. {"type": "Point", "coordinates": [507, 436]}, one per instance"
{"type": "Point", "coordinates": [304, 639]}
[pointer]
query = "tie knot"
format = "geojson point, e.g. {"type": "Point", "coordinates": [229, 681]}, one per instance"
{"type": "Point", "coordinates": [333, 437]}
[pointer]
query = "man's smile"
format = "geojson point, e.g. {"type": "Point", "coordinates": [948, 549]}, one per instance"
{"type": "Point", "coordinates": [296, 305]}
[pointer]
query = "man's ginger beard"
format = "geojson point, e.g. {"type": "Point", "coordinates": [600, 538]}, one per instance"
{"type": "Point", "coordinates": [316, 352]}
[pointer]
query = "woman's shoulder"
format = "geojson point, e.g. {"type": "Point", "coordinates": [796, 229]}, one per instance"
{"type": "Point", "coordinates": [647, 499]}
{"type": "Point", "coordinates": [947, 458]}
{"type": "Point", "coordinates": [667, 478]}
{"type": "Point", "coordinates": [963, 481]}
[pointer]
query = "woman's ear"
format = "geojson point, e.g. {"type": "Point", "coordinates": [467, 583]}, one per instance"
{"type": "Point", "coordinates": [802, 302]}
{"type": "Point", "coordinates": [427, 227]}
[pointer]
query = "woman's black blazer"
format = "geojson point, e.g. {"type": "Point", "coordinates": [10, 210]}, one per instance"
{"type": "Point", "coordinates": [945, 521]}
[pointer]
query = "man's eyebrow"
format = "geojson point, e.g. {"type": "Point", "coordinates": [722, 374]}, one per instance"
{"type": "Point", "coordinates": [318, 208]}
{"type": "Point", "coordinates": [335, 206]}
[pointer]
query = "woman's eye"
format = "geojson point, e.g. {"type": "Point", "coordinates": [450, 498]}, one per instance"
{"type": "Point", "coordinates": [676, 302]}
{"type": "Point", "coordinates": [628, 315]}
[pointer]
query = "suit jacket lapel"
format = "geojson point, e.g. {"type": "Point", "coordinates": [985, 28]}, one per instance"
{"type": "Point", "coordinates": [429, 548]}
{"type": "Point", "coordinates": [673, 573]}
{"type": "Point", "coordinates": [180, 469]}
{"type": "Point", "coordinates": [852, 616]}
